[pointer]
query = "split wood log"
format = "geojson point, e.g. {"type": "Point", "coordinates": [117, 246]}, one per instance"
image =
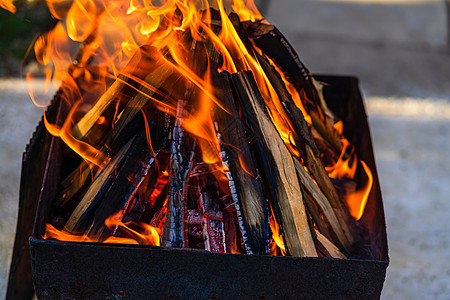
{"type": "Point", "coordinates": [210, 204]}
{"type": "Point", "coordinates": [328, 248]}
{"type": "Point", "coordinates": [158, 72]}
{"type": "Point", "coordinates": [181, 163]}
{"type": "Point", "coordinates": [314, 212]}
{"type": "Point", "coordinates": [246, 189]}
{"type": "Point", "coordinates": [160, 210]}
{"type": "Point", "coordinates": [96, 189]}
{"type": "Point", "coordinates": [175, 233]}
{"type": "Point", "coordinates": [129, 121]}
{"type": "Point", "coordinates": [339, 228]}
{"type": "Point", "coordinates": [78, 181]}
{"type": "Point", "coordinates": [286, 191]}
{"type": "Point", "coordinates": [149, 199]}
{"type": "Point", "coordinates": [250, 204]}
{"type": "Point", "coordinates": [301, 133]}
{"type": "Point", "coordinates": [75, 184]}
{"type": "Point", "coordinates": [273, 44]}
{"type": "Point", "coordinates": [155, 180]}
{"type": "Point", "coordinates": [154, 204]}
{"type": "Point", "coordinates": [233, 237]}
{"type": "Point", "coordinates": [311, 158]}
{"type": "Point", "coordinates": [136, 158]}
{"type": "Point", "coordinates": [135, 166]}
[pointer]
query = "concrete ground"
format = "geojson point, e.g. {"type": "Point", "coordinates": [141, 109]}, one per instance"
{"type": "Point", "coordinates": [398, 50]}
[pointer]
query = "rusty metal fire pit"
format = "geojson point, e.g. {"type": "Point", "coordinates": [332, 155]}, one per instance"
{"type": "Point", "coordinates": [70, 270]}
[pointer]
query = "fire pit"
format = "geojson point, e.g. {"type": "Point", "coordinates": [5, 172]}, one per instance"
{"type": "Point", "coordinates": [219, 145]}
{"type": "Point", "coordinates": [86, 270]}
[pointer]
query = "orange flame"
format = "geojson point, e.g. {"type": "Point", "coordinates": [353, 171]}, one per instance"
{"type": "Point", "coordinates": [116, 29]}
{"type": "Point", "coordinates": [8, 5]}
{"type": "Point", "coordinates": [347, 163]}
{"type": "Point", "coordinates": [85, 150]}
{"type": "Point", "coordinates": [346, 167]}
{"type": "Point", "coordinates": [276, 235]}
{"type": "Point", "coordinates": [148, 236]}
{"type": "Point", "coordinates": [356, 201]}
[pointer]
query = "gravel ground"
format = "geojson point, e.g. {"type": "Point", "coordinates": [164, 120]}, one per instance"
{"type": "Point", "coordinates": [399, 52]}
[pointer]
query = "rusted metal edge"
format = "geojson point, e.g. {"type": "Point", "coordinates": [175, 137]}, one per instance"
{"type": "Point", "coordinates": [34, 163]}
{"type": "Point", "coordinates": [102, 271]}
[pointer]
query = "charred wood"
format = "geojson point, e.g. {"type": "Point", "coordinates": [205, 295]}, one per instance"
{"type": "Point", "coordinates": [211, 208]}
{"type": "Point", "coordinates": [273, 44]}
{"type": "Point", "coordinates": [246, 189]}
{"type": "Point", "coordinates": [181, 163]}
{"type": "Point", "coordinates": [277, 166]}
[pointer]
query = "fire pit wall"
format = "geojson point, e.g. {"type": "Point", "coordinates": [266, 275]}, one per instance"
{"type": "Point", "coordinates": [93, 270]}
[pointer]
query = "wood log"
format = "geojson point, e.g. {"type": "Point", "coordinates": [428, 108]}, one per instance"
{"type": "Point", "coordinates": [245, 188]}
{"type": "Point", "coordinates": [301, 133]}
{"type": "Point", "coordinates": [311, 157]}
{"type": "Point", "coordinates": [130, 120]}
{"type": "Point", "coordinates": [273, 44]}
{"type": "Point", "coordinates": [155, 202]}
{"type": "Point", "coordinates": [96, 189]}
{"type": "Point", "coordinates": [280, 173]}
{"type": "Point", "coordinates": [136, 164]}
{"type": "Point", "coordinates": [160, 210]}
{"type": "Point", "coordinates": [148, 200]}
{"type": "Point", "coordinates": [210, 205]}
{"type": "Point", "coordinates": [155, 75]}
{"type": "Point", "coordinates": [155, 180]}
{"type": "Point", "coordinates": [233, 239]}
{"type": "Point", "coordinates": [314, 212]}
{"type": "Point", "coordinates": [181, 161]}
{"type": "Point", "coordinates": [328, 248]}
{"type": "Point", "coordinates": [339, 228]}
{"type": "Point", "coordinates": [132, 165]}
{"type": "Point", "coordinates": [78, 181]}
{"type": "Point", "coordinates": [183, 147]}
{"type": "Point", "coordinates": [75, 185]}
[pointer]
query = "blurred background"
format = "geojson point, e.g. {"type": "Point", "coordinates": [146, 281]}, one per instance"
{"type": "Point", "coordinates": [399, 50]}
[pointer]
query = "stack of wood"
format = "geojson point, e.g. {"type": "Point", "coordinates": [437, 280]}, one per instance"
{"type": "Point", "coordinates": [151, 179]}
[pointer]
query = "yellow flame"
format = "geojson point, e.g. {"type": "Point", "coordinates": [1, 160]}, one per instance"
{"type": "Point", "coordinates": [357, 201]}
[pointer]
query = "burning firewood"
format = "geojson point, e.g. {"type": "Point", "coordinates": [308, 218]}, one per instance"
{"type": "Point", "coordinates": [273, 44]}
{"type": "Point", "coordinates": [309, 154]}
{"type": "Point", "coordinates": [286, 195]}
{"type": "Point", "coordinates": [182, 158]}
{"type": "Point", "coordinates": [245, 187]}
{"type": "Point", "coordinates": [214, 136]}
{"type": "Point", "coordinates": [210, 205]}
